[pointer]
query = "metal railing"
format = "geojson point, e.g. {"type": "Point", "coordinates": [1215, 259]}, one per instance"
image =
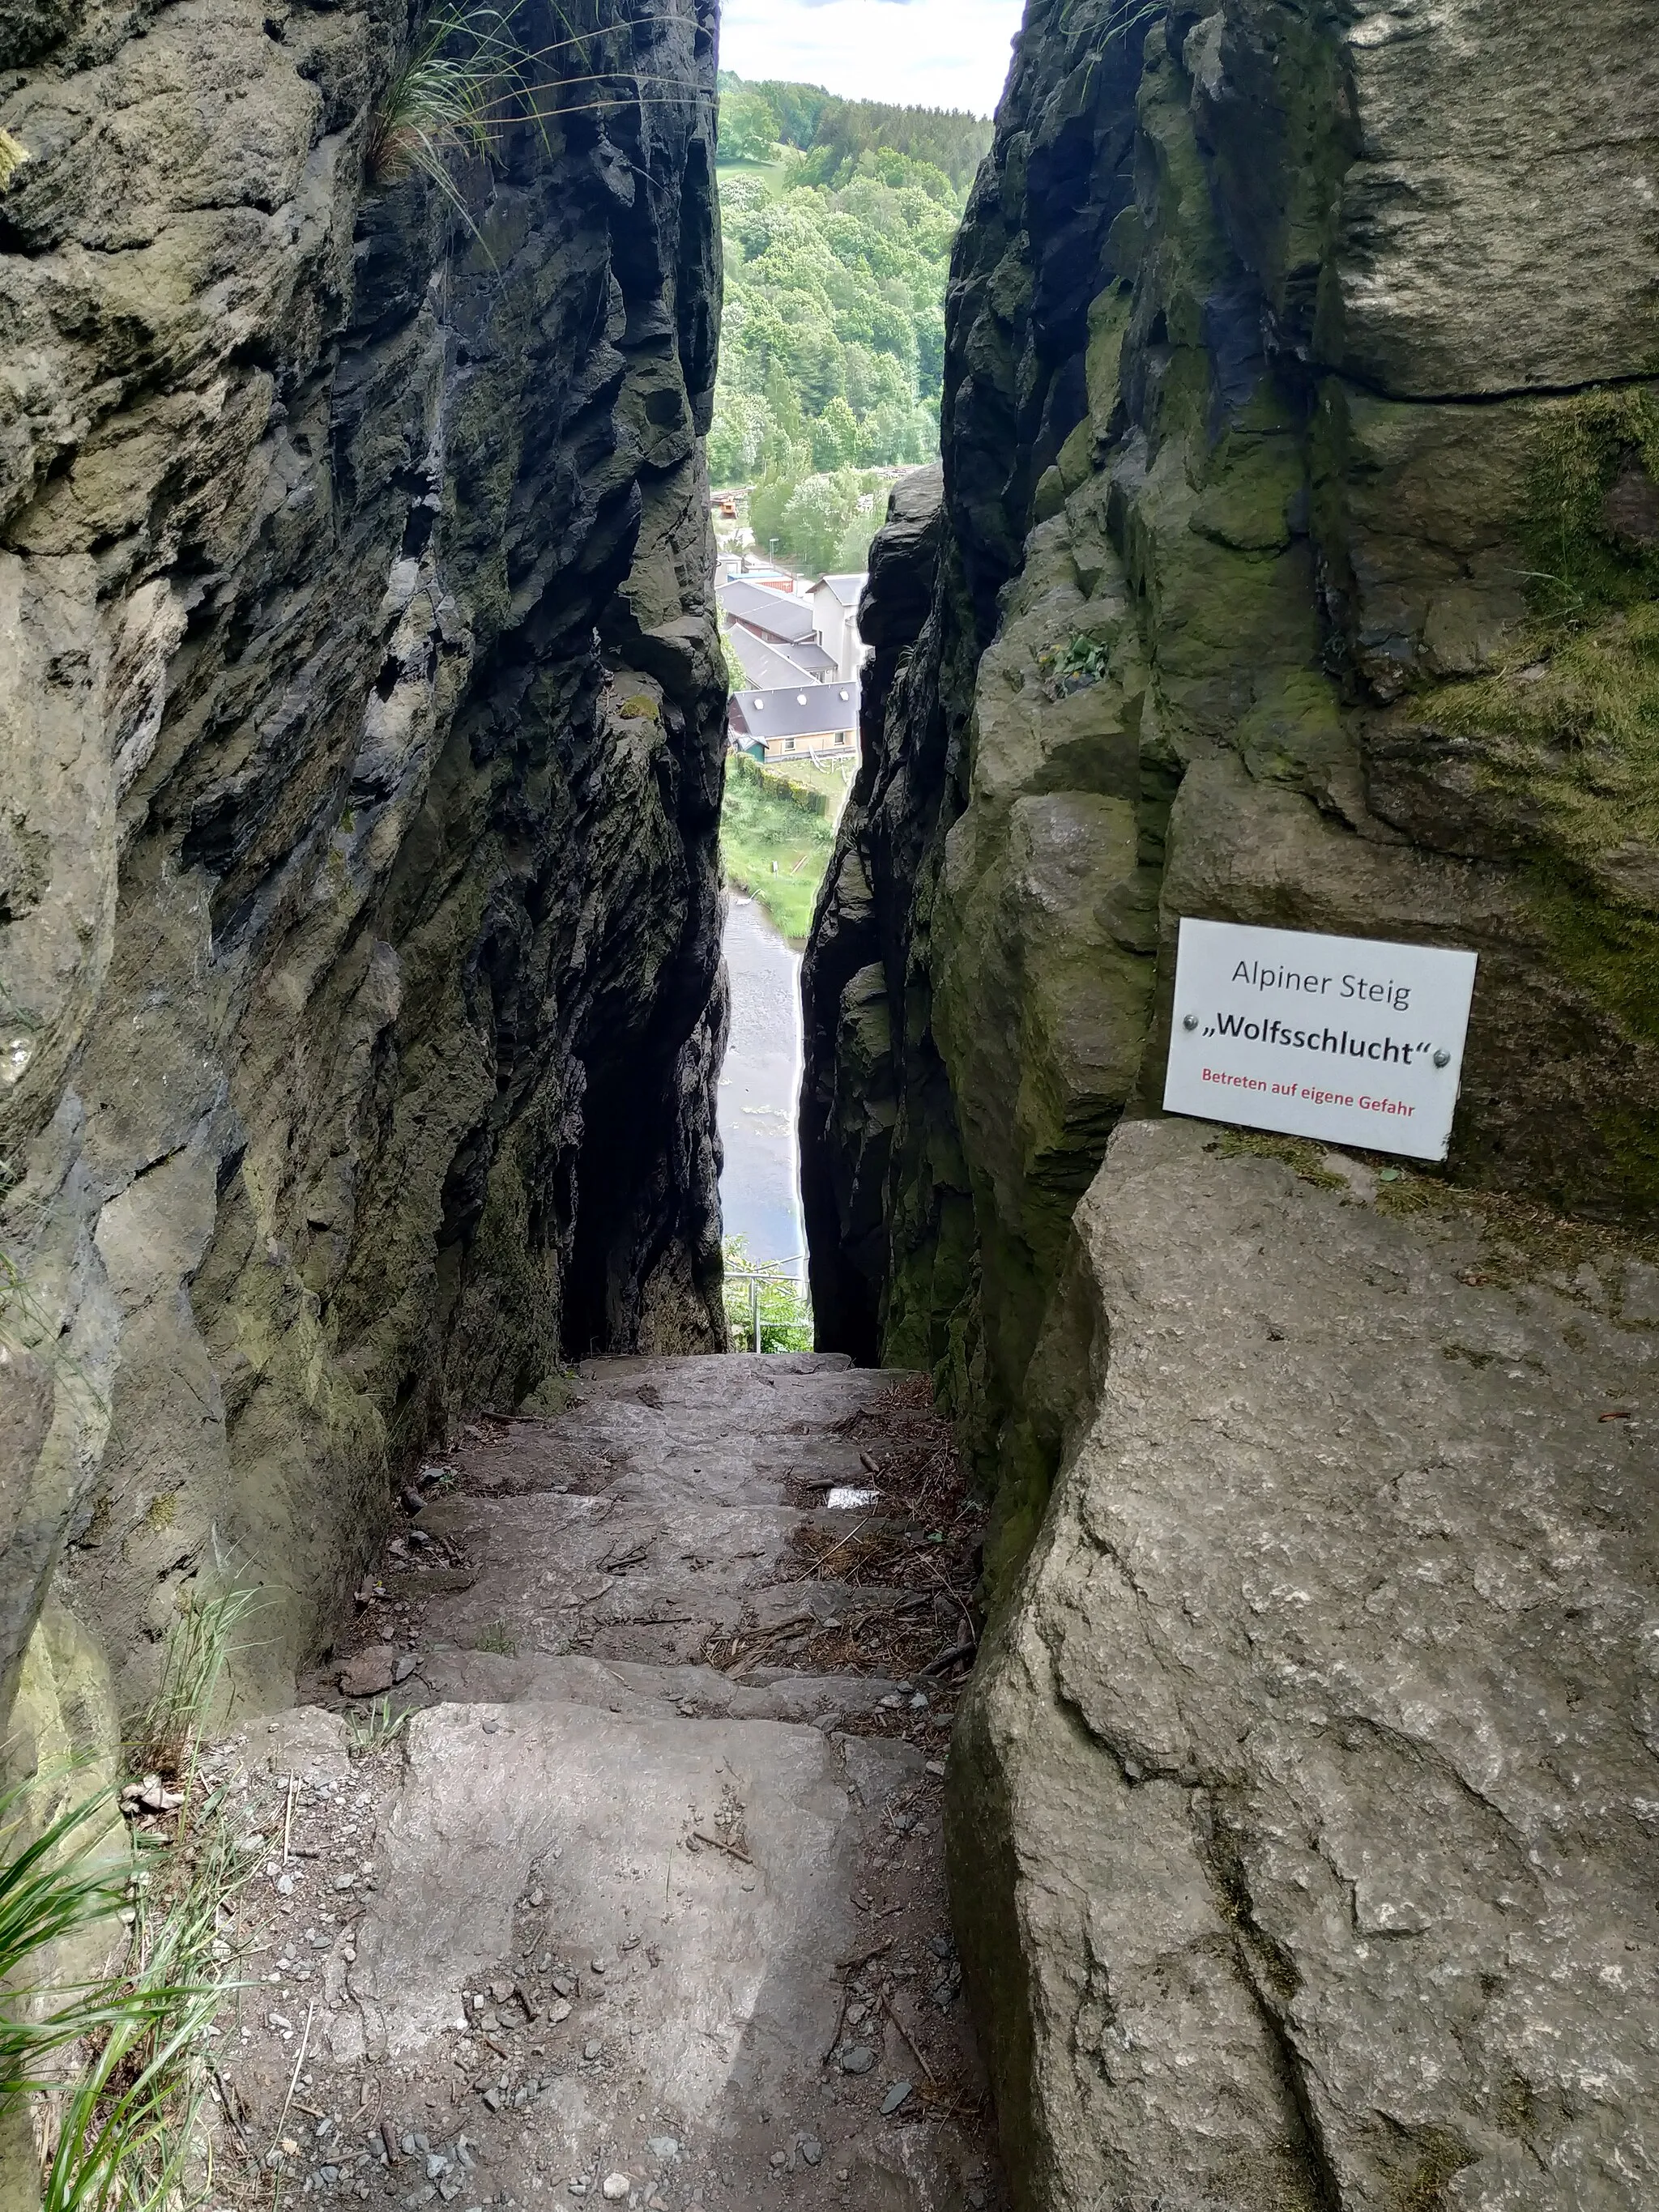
{"type": "Point", "coordinates": [771, 1272]}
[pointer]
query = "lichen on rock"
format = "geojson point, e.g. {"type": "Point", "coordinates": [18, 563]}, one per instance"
{"type": "Point", "coordinates": [362, 709]}
{"type": "Point", "coordinates": [1374, 601]}
{"type": "Point", "coordinates": [1292, 564]}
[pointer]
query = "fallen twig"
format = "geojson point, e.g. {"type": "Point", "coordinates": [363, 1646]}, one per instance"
{"type": "Point", "coordinates": [294, 2078]}
{"type": "Point", "coordinates": [817, 1564]}
{"type": "Point", "coordinates": [916, 2052]}
{"type": "Point", "coordinates": [851, 1966]}
{"type": "Point", "coordinates": [954, 1596]}
{"type": "Point", "coordinates": [944, 1661]}
{"type": "Point", "coordinates": [771, 1636]}
{"type": "Point", "coordinates": [840, 2015]}
{"type": "Point", "coordinates": [227, 2104]}
{"type": "Point", "coordinates": [720, 1843]}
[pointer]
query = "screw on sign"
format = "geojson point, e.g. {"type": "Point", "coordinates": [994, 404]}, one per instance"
{"type": "Point", "coordinates": [1346, 1039]}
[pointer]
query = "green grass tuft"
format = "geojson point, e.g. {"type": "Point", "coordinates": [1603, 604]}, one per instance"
{"type": "Point", "coordinates": [448, 98]}
{"type": "Point", "coordinates": [72, 1874]}
{"type": "Point", "coordinates": [774, 844]}
{"type": "Point", "coordinates": [1306, 1158]}
{"type": "Point", "coordinates": [198, 1645]}
{"type": "Point", "coordinates": [379, 1727]}
{"type": "Point", "coordinates": [119, 2065]}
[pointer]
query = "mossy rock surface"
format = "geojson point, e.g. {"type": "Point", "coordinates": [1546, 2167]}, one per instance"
{"type": "Point", "coordinates": [360, 912]}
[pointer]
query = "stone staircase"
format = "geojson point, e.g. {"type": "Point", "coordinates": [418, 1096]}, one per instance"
{"type": "Point", "coordinates": [645, 1899]}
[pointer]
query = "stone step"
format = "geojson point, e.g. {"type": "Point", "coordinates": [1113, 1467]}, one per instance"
{"type": "Point", "coordinates": [561, 1942]}
{"type": "Point", "coordinates": [623, 1740]}
{"type": "Point", "coordinates": [653, 1692]}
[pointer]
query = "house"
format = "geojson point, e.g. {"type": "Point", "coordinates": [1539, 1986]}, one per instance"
{"type": "Point", "coordinates": [834, 604]}
{"type": "Point", "coordinates": [766, 665]}
{"type": "Point", "coordinates": [783, 622]}
{"type": "Point", "coordinates": [774, 614]}
{"type": "Point", "coordinates": [810, 721]}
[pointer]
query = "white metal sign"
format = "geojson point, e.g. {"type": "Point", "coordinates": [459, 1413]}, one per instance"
{"type": "Point", "coordinates": [1339, 1037]}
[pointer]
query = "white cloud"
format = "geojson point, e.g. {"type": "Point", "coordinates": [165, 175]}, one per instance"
{"type": "Point", "coordinates": [923, 53]}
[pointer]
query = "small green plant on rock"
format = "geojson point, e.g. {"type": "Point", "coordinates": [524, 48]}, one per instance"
{"type": "Point", "coordinates": [379, 1727]}
{"type": "Point", "coordinates": [447, 98]}
{"type": "Point", "coordinates": [468, 76]}
{"type": "Point", "coordinates": [1072, 665]}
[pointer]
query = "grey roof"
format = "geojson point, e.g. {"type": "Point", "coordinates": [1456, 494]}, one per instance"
{"type": "Point", "coordinates": [772, 613]}
{"type": "Point", "coordinates": [806, 710]}
{"type": "Point", "coordinates": [844, 588]}
{"type": "Point", "coordinates": [763, 662]}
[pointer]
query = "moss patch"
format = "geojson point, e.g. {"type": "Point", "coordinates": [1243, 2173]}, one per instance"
{"type": "Point", "coordinates": [1568, 731]}
{"type": "Point", "coordinates": [1522, 1242]}
{"type": "Point", "coordinates": [1305, 1159]}
{"type": "Point", "coordinates": [554, 1394]}
{"type": "Point", "coordinates": [1562, 738]}
{"type": "Point", "coordinates": [1585, 541]}
{"type": "Point", "coordinates": [1612, 952]}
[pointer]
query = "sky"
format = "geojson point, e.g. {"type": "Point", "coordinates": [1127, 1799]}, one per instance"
{"type": "Point", "coordinates": [921, 53]}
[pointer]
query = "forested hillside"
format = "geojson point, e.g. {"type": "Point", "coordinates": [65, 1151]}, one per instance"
{"type": "Point", "coordinates": [837, 219]}
{"type": "Point", "coordinates": [758, 117]}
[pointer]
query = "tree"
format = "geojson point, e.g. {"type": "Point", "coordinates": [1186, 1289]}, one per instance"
{"type": "Point", "coordinates": [749, 125]}
{"type": "Point", "coordinates": [832, 352]}
{"type": "Point", "coordinates": [738, 435]}
{"type": "Point", "coordinates": [816, 517]}
{"type": "Point", "coordinates": [835, 436]}
{"type": "Point", "coordinates": [837, 134]}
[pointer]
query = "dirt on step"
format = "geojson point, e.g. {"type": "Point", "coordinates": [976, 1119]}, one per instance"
{"type": "Point", "coordinates": [628, 1882]}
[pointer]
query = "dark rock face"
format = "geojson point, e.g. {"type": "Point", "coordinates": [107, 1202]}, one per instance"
{"type": "Point", "coordinates": [362, 720]}
{"type": "Point", "coordinates": [854, 969]}
{"type": "Point", "coordinates": [1291, 565]}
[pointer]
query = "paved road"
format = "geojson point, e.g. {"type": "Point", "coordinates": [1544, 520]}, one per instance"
{"type": "Point", "coordinates": [759, 1189]}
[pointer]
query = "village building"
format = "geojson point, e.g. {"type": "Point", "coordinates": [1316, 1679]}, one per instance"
{"type": "Point", "coordinates": [816, 722]}
{"type": "Point", "coordinates": [767, 665]}
{"type": "Point", "coordinates": [834, 604]}
{"type": "Point", "coordinates": [800, 656]}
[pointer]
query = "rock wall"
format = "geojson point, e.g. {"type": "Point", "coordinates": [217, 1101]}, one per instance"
{"type": "Point", "coordinates": [1301, 1812]}
{"type": "Point", "coordinates": [361, 710]}
{"type": "Point", "coordinates": [1295, 561]}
